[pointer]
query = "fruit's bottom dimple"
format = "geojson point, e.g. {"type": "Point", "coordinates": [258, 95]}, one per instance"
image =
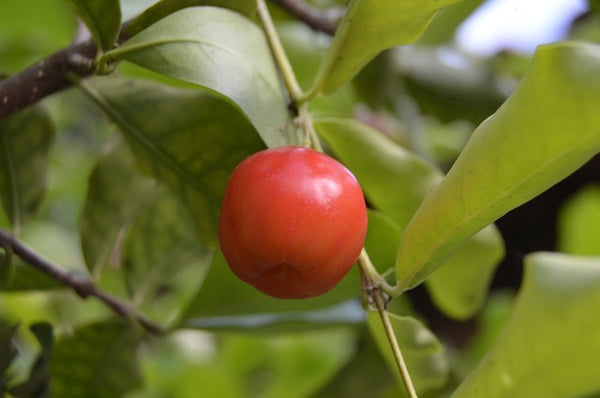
{"type": "Point", "coordinates": [286, 281]}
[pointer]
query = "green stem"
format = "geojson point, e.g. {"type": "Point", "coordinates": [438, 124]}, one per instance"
{"type": "Point", "coordinates": [281, 59]}
{"type": "Point", "coordinates": [374, 286]}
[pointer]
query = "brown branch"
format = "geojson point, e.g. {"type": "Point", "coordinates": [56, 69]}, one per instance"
{"type": "Point", "coordinates": [81, 285]}
{"type": "Point", "coordinates": [322, 20]}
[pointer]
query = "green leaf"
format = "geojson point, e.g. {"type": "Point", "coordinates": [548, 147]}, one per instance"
{"type": "Point", "coordinates": [116, 192]}
{"type": "Point", "coordinates": [223, 51]}
{"type": "Point", "coordinates": [378, 164]}
{"type": "Point", "coordinates": [383, 238]}
{"type": "Point", "coordinates": [8, 351]}
{"type": "Point", "coordinates": [102, 18]}
{"type": "Point", "coordinates": [369, 27]}
{"type": "Point", "coordinates": [423, 353]}
{"type": "Point", "coordinates": [460, 287]}
{"type": "Point", "coordinates": [25, 142]}
{"type": "Point", "coordinates": [163, 261]}
{"type": "Point", "coordinates": [579, 223]}
{"type": "Point", "coordinates": [166, 7]}
{"type": "Point", "coordinates": [184, 138]}
{"type": "Point", "coordinates": [543, 132]}
{"type": "Point", "coordinates": [550, 346]}
{"type": "Point", "coordinates": [19, 276]}
{"type": "Point", "coordinates": [97, 361]}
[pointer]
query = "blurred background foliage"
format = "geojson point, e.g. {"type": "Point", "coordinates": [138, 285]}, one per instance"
{"type": "Point", "coordinates": [427, 97]}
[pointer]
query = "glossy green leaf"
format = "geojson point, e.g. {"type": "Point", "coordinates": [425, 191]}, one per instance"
{"type": "Point", "coordinates": [423, 353]}
{"type": "Point", "coordinates": [579, 223]}
{"type": "Point", "coordinates": [460, 287]}
{"type": "Point", "coordinates": [102, 18]}
{"type": "Point", "coordinates": [116, 192]}
{"type": "Point", "coordinates": [97, 361]}
{"type": "Point", "coordinates": [369, 27]}
{"type": "Point", "coordinates": [382, 240]}
{"type": "Point", "coordinates": [25, 142]}
{"type": "Point", "coordinates": [163, 260]}
{"type": "Point", "coordinates": [224, 294]}
{"type": "Point", "coordinates": [221, 50]}
{"type": "Point", "coordinates": [185, 138]}
{"type": "Point", "coordinates": [550, 346]}
{"type": "Point", "coordinates": [543, 132]}
{"type": "Point", "coordinates": [379, 164]}
{"type": "Point", "coordinates": [161, 9]}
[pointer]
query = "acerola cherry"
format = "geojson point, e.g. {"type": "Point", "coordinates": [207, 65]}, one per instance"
{"type": "Point", "coordinates": [293, 222]}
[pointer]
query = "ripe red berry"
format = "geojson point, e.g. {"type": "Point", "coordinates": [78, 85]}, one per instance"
{"type": "Point", "coordinates": [293, 222]}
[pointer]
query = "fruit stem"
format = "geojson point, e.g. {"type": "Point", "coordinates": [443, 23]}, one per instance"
{"type": "Point", "coordinates": [373, 285]}
{"type": "Point", "coordinates": [281, 59]}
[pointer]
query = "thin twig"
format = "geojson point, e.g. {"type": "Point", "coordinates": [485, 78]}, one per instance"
{"type": "Point", "coordinates": [322, 20]}
{"type": "Point", "coordinates": [81, 285]}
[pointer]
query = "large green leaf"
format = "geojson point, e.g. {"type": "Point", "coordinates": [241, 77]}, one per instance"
{"type": "Point", "coordinates": [543, 132]}
{"type": "Point", "coordinates": [185, 138]}
{"type": "Point", "coordinates": [25, 142]}
{"type": "Point", "coordinates": [369, 27]}
{"type": "Point", "coordinates": [161, 9]}
{"type": "Point", "coordinates": [116, 192]}
{"type": "Point", "coordinates": [423, 353]}
{"type": "Point", "coordinates": [395, 181]}
{"type": "Point", "coordinates": [460, 287]}
{"type": "Point", "coordinates": [223, 51]}
{"type": "Point", "coordinates": [550, 346]}
{"type": "Point", "coordinates": [97, 361]}
{"type": "Point", "coordinates": [102, 18]}
{"type": "Point", "coordinates": [164, 262]}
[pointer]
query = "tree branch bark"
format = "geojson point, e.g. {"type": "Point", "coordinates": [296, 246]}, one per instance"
{"type": "Point", "coordinates": [80, 285]}
{"type": "Point", "coordinates": [318, 19]}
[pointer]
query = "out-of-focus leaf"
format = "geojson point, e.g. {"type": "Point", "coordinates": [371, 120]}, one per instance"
{"type": "Point", "coordinates": [545, 131]}
{"type": "Point", "coordinates": [365, 375]}
{"type": "Point", "coordinates": [185, 138]}
{"type": "Point", "coordinates": [164, 262]}
{"type": "Point", "coordinates": [383, 238]}
{"type": "Point", "coordinates": [443, 27]}
{"type": "Point", "coordinates": [346, 313]}
{"type": "Point", "coordinates": [550, 345]}
{"type": "Point", "coordinates": [17, 276]}
{"type": "Point", "coordinates": [116, 192]}
{"type": "Point", "coordinates": [97, 361]}
{"type": "Point", "coordinates": [369, 27]}
{"type": "Point", "coordinates": [166, 7]}
{"type": "Point", "coordinates": [579, 223]}
{"type": "Point", "coordinates": [38, 383]}
{"type": "Point", "coordinates": [8, 351]}
{"type": "Point", "coordinates": [460, 287]}
{"type": "Point", "coordinates": [223, 51]}
{"type": "Point", "coordinates": [225, 294]}
{"type": "Point", "coordinates": [25, 142]}
{"type": "Point", "coordinates": [423, 353]}
{"type": "Point", "coordinates": [102, 18]}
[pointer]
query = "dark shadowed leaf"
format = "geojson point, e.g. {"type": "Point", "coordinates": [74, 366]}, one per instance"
{"type": "Point", "coordinates": [369, 27]}
{"type": "Point", "coordinates": [97, 361]}
{"type": "Point", "coordinates": [25, 141]}
{"type": "Point", "coordinates": [223, 51]}
{"type": "Point", "coordinates": [102, 18]}
{"type": "Point", "coordinates": [116, 193]}
{"type": "Point", "coordinates": [8, 351]}
{"type": "Point", "coordinates": [184, 138]}
{"type": "Point", "coordinates": [550, 346]}
{"type": "Point", "coordinates": [546, 130]}
{"type": "Point", "coordinates": [38, 383]}
{"type": "Point", "coordinates": [163, 259]}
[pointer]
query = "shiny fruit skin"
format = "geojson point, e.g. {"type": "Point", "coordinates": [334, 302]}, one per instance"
{"type": "Point", "coordinates": [293, 222]}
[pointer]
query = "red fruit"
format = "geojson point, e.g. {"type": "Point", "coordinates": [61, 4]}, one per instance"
{"type": "Point", "coordinates": [293, 222]}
